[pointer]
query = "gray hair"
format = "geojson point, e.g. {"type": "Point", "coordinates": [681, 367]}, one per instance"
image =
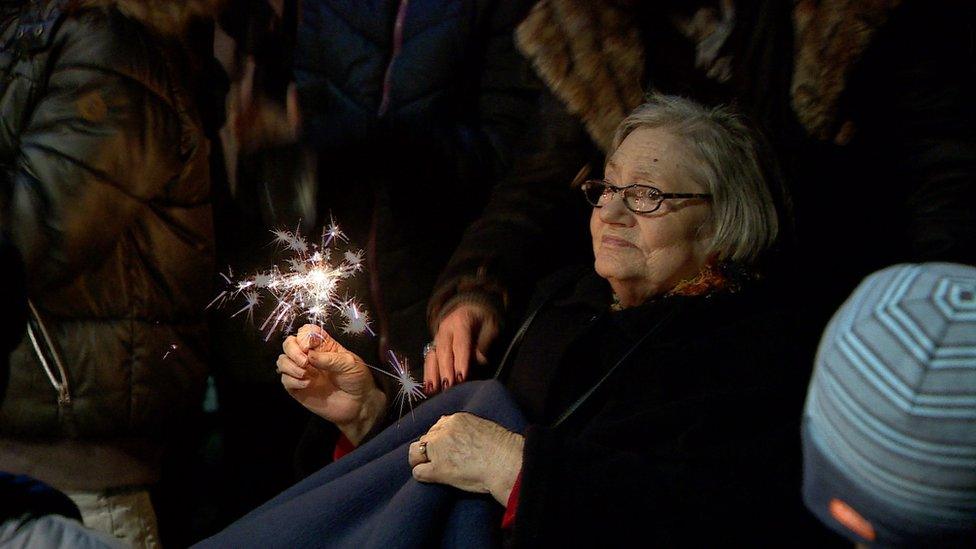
{"type": "Point", "coordinates": [726, 161]}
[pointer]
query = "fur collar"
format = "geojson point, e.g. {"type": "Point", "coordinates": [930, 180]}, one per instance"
{"type": "Point", "coordinates": [831, 35]}
{"type": "Point", "coordinates": [589, 55]}
{"type": "Point", "coordinates": [166, 17]}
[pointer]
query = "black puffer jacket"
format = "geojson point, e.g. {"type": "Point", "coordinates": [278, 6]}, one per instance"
{"type": "Point", "coordinates": [413, 108]}
{"type": "Point", "coordinates": [105, 191]}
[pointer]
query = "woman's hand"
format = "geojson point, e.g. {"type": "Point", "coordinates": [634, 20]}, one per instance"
{"type": "Point", "coordinates": [465, 333]}
{"type": "Point", "coordinates": [470, 453]}
{"type": "Point", "coordinates": [330, 381]}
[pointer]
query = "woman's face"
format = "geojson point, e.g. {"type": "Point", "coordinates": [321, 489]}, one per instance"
{"type": "Point", "coordinates": [643, 255]}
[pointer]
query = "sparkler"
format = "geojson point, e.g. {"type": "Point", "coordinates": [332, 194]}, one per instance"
{"type": "Point", "coordinates": [307, 286]}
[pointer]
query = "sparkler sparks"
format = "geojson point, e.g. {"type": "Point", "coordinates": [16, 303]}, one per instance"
{"type": "Point", "coordinates": [306, 286]}
{"type": "Point", "coordinates": [252, 300]}
{"type": "Point", "coordinates": [357, 320]}
{"type": "Point", "coordinates": [172, 347]}
{"type": "Point", "coordinates": [410, 390]}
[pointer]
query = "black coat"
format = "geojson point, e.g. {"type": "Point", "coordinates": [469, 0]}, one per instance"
{"type": "Point", "coordinates": [412, 108]}
{"type": "Point", "coordinates": [692, 439]}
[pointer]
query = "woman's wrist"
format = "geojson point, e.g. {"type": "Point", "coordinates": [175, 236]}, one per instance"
{"type": "Point", "coordinates": [373, 408]}
{"type": "Point", "coordinates": [502, 479]}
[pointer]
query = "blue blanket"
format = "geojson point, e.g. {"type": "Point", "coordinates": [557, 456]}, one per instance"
{"type": "Point", "coordinates": [370, 499]}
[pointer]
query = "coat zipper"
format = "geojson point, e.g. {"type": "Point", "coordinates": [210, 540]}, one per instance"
{"type": "Point", "coordinates": [397, 46]}
{"type": "Point", "coordinates": [60, 385]}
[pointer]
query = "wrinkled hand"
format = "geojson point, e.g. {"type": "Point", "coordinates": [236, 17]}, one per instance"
{"type": "Point", "coordinates": [330, 381]}
{"type": "Point", "coordinates": [465, 333]}
{"type": "Point", "coordinates": [470, 453]}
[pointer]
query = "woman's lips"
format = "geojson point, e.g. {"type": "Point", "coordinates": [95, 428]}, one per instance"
{"type": "Point", "coordinates": [615, 242]}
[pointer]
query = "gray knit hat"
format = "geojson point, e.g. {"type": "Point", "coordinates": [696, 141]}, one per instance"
{"type": "Point", "coordinates": [889, 430]}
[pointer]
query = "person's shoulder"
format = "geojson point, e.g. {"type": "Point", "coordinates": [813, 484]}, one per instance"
{"type": "Point", "coordinates": [758, 332]}
{"type": "Point", "coordinates": [104, 39]}
{"type": "Point", "coordinates": [137, 38]}
{"type": "Point", "coordinates": [107, 44]}
{"type": "Point", "coordinates": [160, 18]}
{"type": "Point", "coordinates": [756, 319]}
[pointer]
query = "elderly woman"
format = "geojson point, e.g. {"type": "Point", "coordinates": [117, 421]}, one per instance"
{"type": "Point", "coordinates": [657, 390]}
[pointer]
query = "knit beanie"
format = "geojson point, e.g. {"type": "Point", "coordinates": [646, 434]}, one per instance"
{"type": "Point", "coordinates": [889, 426]}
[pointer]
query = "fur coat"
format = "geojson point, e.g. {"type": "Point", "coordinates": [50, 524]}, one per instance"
{"type": "Point", "coordinates": [582, 48]}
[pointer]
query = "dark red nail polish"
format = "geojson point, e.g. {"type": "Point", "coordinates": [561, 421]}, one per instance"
{"type": "Point", "coordinates": [460, 378]}
{"type": "Point", "coordinates": [446, 383]}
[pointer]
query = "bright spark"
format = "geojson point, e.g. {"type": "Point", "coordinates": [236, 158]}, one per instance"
{"type": "Point", "coordinates": [304, 287]}
{"type": "Point", "coordinates": [410, 390]}
{"type": "Point", "coordinates": [357, 320]}
{"type": "Point", "coordinates": [172, 347]}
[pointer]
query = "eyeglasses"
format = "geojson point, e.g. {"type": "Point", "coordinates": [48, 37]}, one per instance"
{"type": "Point", "coordinates": [639, 199]}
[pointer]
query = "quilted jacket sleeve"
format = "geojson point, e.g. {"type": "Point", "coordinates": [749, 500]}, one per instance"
{"type": "Point", "coordinates": [98, 143]}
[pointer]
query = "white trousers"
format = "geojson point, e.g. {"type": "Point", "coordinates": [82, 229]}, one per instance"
{"type": "Point", "coordinates": [126, 514]}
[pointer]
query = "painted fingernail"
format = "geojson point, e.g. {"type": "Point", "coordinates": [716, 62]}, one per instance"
{"type": "Point", "coordinates": [428, 387]}
{"type": "Point", "coordinates": [460, 377]}
{"type": "Point", "coordinates": [446, 383]}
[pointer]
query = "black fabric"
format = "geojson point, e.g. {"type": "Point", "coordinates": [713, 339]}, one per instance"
{"type": "Point", "coordinates": [105, 192]}
{"type": "Point", "coordinates": [9, 7]}
{"type": "Point", "coordinates": [693, 440]}
{"type": "Point", "coordinates": [13, 303]}
{"type": "Point", "coordinates": [22, 496]}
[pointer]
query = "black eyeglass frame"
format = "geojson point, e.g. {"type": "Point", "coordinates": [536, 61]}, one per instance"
{"type": "Point", "coordinates": [661, 196]}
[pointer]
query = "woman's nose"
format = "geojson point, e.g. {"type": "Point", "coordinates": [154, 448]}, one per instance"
{"type": "Point", "coordinates": [615, 212]}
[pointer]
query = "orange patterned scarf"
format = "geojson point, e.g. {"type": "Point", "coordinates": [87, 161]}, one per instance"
{"type": "Point", "coordinates": [709, 280]}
